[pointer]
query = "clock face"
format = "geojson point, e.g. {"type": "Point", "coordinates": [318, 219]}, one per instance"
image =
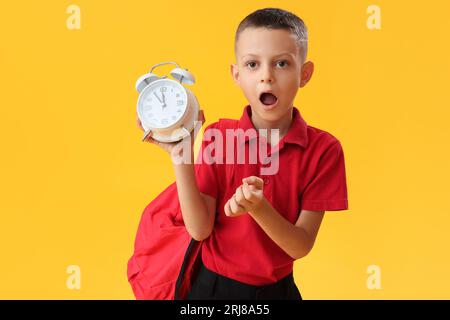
{"type": "Point", "coordinates": [162, 103]}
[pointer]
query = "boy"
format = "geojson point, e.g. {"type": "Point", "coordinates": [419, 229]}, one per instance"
{"type": "Point", "coordinates": [254, 226]}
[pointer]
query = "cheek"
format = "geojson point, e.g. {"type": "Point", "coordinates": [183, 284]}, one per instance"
{"type": "Point", "coordinates": [248, 79]}
{"type": "Point", "coordinates": [249, 88]}
{"type": "Point", "coordinates": [292, 82]}
{"type": "Point", "coordinates": [290, 87]}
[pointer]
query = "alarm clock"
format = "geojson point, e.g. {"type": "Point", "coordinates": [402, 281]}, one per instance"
{"type": "Point", "coordinates": [165, 107]}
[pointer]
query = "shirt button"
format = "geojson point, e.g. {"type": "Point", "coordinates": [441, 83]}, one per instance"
{"type": "Point", "coordinates": [266, 180]}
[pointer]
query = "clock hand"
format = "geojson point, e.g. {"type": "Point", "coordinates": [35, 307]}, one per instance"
{"type": "Point", "coordinates": [164, 100]}
{"type": "Point", "coordinates": [157, 97]}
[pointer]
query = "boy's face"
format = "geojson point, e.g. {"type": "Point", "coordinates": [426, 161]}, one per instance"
{"type": "Point", "coordinates": [269, 60]}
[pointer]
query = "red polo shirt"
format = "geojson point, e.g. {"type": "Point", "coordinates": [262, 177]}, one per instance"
{"type": "Point", "coordinates": [310, 176]}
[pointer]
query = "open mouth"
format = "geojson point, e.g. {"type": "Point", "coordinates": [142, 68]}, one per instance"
{"type": "Point", "coordinates": [268, 98]}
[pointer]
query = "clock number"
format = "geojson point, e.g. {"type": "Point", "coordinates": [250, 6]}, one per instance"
{"type": "Point", "coordinates": [163, 89]}
{"type": "Point", "coordinates": [164, 121]}
{"type": "Point", "coordinates": [180, 102]}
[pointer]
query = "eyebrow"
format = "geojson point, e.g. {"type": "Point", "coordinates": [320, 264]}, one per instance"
{"type": "Point", "coordinates": [278, 55]}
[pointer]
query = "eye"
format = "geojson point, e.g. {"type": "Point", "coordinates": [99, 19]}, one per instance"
{"type": "Point", "coordinates": [284, 63]}
{"type": "Point", "coordinates": [251, 64]}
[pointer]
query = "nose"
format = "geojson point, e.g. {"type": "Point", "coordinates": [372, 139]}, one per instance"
{"type": "Point", "coordinates": [266, 75]}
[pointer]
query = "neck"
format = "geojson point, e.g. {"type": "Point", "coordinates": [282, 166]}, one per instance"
{"type": "Point", "coordinates": [283, 124]}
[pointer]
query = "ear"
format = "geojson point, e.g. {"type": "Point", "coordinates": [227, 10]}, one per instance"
{"type": "Point", "coordinates": [235, 73]}
{"type": "Point", "coordinates": [306, 73]}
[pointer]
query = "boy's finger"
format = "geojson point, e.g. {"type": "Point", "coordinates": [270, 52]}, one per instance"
{"type": "Point", "coordinates": [246, 190]}
{"type": "Point", "coordinates": [234, 206]}
{"type": "Point", "coordinates": [226, 208]}
{"type": "Point", "coordinates": [153, 141]}
{"type": "Point", "coordinates": [239, 196]}
{"type": "Point", "coordinates": [201, 116]}
{"type": "Point", "coordinates": [250, 179]}
{"type": "Point", "coordinates": [257, 181]}
{"type": "Point", "coordinates": [139, 123]}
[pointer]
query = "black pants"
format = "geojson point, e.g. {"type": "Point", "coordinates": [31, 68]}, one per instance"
{"type": "Point", "coordinates": [209, 285]}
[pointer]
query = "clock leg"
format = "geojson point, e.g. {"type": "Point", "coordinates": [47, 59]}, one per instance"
{"type": "Point", "coordinates": [146, 134]}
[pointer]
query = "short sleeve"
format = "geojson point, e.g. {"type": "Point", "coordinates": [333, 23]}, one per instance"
{"type": "Point", "coordinates": [205, 168]}
{"type": "Point", "coordinates": [327, 189]}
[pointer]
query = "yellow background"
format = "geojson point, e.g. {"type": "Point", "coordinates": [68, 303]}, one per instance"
{"type": "Point", "coordinates": [75, 176]}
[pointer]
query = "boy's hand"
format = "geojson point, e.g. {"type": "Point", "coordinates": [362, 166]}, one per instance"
{"type": "Point", "coordinates": [247, 198]}
{"type": "Point", "coordinates": [174, 149]}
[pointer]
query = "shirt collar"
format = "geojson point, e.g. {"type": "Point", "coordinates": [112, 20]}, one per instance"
{"type": "Point", "coordinates": [297, 133]}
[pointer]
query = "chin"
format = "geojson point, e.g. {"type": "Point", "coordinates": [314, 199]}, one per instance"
{"type": "Point", "coordinates": [271, 114]}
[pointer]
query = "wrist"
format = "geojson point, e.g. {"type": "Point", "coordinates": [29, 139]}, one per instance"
{"type": "Point", "coordinates": [259, 208]}
{"type": "Point", "coordinates": [182, 155]}
{"type": "Point", "coordinates": [184, 173]}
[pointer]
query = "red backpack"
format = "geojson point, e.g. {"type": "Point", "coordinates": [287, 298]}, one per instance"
{"type": "Point", "coordinates": [166, 258]}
